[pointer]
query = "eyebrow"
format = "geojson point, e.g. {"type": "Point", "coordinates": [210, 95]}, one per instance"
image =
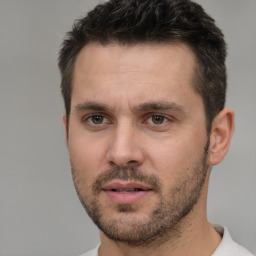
{"type": "Point", "coordinates": [163, 105]}
{"type": "Point", "coordinates": [147, 106]}
{"type": "Point", "coordinates": [91, 106]}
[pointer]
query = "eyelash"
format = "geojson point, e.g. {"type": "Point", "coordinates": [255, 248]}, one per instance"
{"type": "Point", "coordinates": [87, 118]}
{"type": "Point", "coordinates": [106, 120]}
{"type": "Point", "coordinates": [162, 117]}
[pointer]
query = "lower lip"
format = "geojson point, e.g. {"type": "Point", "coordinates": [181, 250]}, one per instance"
{"type": "Point", "coordinates": [126, 198]}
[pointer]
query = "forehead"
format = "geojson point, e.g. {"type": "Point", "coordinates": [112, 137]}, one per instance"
{"type": "Point", "coordinates": [138, 71]}
{"type": "Point", "coordinates": [143, 57]}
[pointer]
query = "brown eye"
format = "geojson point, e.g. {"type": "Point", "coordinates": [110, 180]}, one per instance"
{"type": "Point", "coordinates": [157, 119]}
{"type": "Point", "coordinates": [96, 119]}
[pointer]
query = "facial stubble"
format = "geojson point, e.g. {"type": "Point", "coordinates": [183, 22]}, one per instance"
{"type": "Point", "coordinates": [171, 209]}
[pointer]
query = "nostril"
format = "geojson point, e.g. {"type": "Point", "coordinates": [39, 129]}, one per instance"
{"type": "Point", "coordinates": [124, 155]}
{"type": "Point", "coordinates": [132, 162]}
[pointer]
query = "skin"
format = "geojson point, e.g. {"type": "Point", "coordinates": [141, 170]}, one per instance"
{"type": "Point", "coordinates": [122, 95]}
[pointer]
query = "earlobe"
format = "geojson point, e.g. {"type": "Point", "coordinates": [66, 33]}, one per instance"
{"type": "Point", "coordinates": [220, 137]}
{"type": "Point", "coordinates": [64, 120]}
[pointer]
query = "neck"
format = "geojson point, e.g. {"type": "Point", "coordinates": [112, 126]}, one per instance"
{"type": "Point", "coordinates": [193, 243]}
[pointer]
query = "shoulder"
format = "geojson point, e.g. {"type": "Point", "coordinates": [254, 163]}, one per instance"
{"type": "Point", "coordinates": [93, 252]}
{"type": "Point", "coordinates": [228, 247]}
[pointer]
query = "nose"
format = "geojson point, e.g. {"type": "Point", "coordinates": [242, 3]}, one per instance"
{"type": "Point", "coordinates": [125, 148]}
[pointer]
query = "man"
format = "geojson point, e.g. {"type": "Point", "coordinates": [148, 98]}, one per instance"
{"type": "Point", "coordinates": [144, 86]}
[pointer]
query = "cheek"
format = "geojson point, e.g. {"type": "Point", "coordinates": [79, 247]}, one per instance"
{"type": "Point", "coordinates": [168, 160]}
{"type": "Point", "coordinates": [85, 156]}
{"type": "Point", "coordinates": [173, 158]}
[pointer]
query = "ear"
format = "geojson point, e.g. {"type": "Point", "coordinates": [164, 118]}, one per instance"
{"type": "Point", "coordinates": [221, 134]}
{"type": "Point", "coordinates": [64, 120]}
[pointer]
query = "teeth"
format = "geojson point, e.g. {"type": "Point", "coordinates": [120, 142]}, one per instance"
{"type": "Point", "coordinates": [127, 190]}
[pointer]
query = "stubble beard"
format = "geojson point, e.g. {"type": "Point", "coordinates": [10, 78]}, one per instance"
{"type": "Point", "coordinates": [165, 217]}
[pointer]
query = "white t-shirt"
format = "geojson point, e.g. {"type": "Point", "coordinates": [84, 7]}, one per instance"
{"type": "Point", "coordinates": [227, 247]}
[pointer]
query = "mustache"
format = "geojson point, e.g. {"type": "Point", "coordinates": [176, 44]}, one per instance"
{"type": "Point", "coordinates": [125, 174]}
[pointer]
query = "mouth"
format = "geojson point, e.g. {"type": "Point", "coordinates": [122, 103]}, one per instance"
{"type": "Point", "coordinates": [127, 190]}
{"type": "Point", "coordinates": [121, 192]}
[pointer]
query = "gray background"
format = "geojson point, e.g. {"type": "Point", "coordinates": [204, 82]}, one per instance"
{"type": "Point", "coordinates": [40, 214]}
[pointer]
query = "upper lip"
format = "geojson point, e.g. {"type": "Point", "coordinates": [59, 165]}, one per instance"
{"type": "Point", "coordinates": [121, 185]}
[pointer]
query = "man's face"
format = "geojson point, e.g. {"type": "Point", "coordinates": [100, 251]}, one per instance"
{"type": "Point", "coordinates": [137, 138]}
